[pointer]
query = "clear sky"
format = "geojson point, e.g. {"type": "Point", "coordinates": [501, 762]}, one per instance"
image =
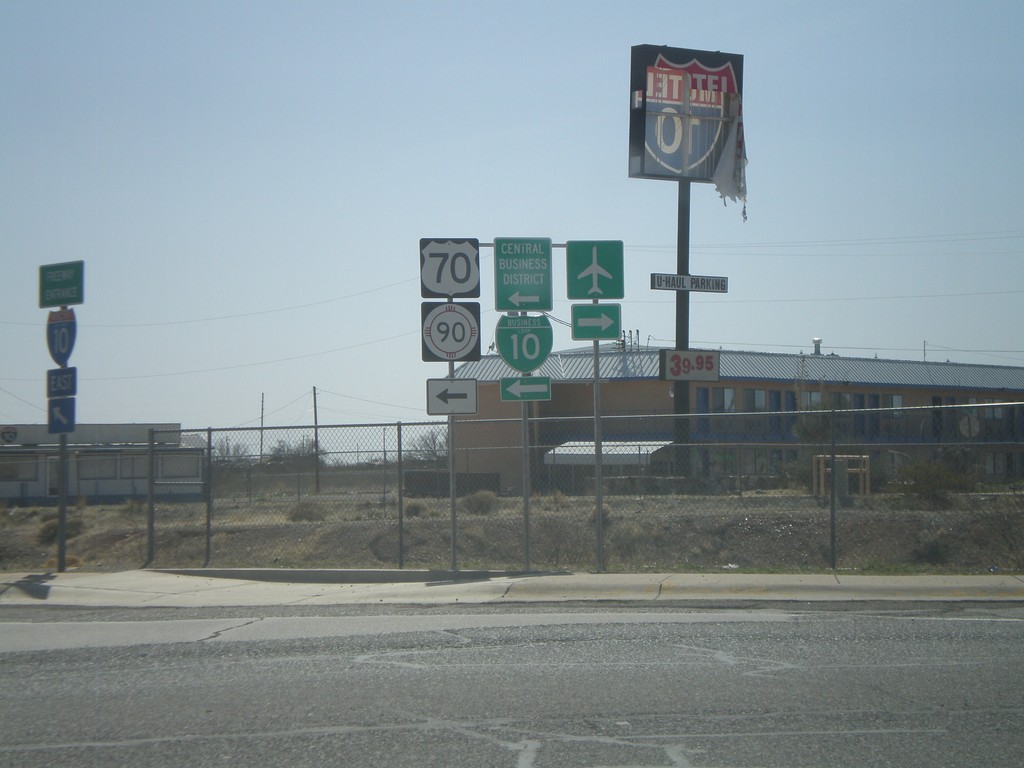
{"type": "Point", "coordinates": [247, 184]}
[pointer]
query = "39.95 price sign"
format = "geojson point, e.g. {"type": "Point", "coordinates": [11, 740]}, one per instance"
{"type": "Point", "coordinates": [688, 365]}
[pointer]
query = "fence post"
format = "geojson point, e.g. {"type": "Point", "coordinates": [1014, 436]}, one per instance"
{"type": "Point", "coordinates": [832, 489]}
{"type": "Point", "coordinates": [150, 500]}
{"type": "Point", "coordinates": [401, 502]}
{"type": "Point", "coordinates": [209, 496]}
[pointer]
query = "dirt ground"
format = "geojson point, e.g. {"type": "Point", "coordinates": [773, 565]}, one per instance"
{"type": "Point", "coordinates": [972, 533]}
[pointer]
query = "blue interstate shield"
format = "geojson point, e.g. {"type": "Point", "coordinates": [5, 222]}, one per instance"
{"type": "Point", "coordinates": [61, 328]}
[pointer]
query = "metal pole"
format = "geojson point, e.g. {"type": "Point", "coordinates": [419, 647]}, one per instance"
{"type": "Point", "coordinates": [151, 500]}
{"type": "Point", "coordinates": [832, 494]}
{"type": "Point", "coordinates": [209, 496]}
{"type": "Point", "coordinates": [526, 486]}
{"type": "Point", "coordinates": [681, 389]}
{"type": "Point", "coordinates": [401, 502]}
{"type": "Point", "coordinates": [598, 460]}
{"type": "Point", "coordinates": [451, 475]}
{"type": "Point", "coordinates": [62, 504]}
{"type": "Point", "coordinates": [316, 446]}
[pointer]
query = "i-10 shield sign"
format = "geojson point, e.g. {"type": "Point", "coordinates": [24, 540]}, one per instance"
{"type": "Point", "coordinates": [61, 329]}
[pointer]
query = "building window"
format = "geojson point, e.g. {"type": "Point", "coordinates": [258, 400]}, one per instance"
{"type": "Point", "coordinates": [96, 467]}
{"type": "Point", "coordinates": [134, 467]}
{"type": "Point", "coordinates": [22, 466]}
{"type": "Point", "coordinates": [810, 401]}
{"type": "Point", "coordinates": [182, 467]}
{"type": "Point", "coordinates": [723, 400]}
{"type": "Point", "coordinates": [893, 401]}
{"type": "Point", "coordinates": [756, 400]}
{"type": "Point", "coordinates": [842, 401]}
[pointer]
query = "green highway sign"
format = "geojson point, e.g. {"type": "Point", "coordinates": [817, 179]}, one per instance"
{"type": "Point", "coordinates": [592, 322]}
{"type": "Point", "coordinates": [594, 269]}
{"type": "Point", "coordinates": [526, 388]}
{"type": "Point", "coordinates": [61, 285]}
{"type": "Point", "coordinates": [524, 342]}
{"type": "Point", "coordinates": [522, 274]}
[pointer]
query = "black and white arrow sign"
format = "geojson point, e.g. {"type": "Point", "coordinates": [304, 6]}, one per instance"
{"type": "Point", "coordinates": [451, 396]}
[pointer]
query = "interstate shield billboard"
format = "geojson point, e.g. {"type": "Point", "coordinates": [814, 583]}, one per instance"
{"type": "Point", "coordinates": [686, 117]}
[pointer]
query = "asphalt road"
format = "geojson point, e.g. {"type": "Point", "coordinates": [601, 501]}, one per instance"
{"type": "Point", "coordinates": [567, 685]}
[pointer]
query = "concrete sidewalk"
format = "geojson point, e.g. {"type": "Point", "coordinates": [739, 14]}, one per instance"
{"type": "Point", "coordinates": [274, 587]}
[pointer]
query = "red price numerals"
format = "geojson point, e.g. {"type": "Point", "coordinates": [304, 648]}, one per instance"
{"type": "Point", "coordinates": [680, 365]}
{"type": "Point", "coordinates": [685, 365]}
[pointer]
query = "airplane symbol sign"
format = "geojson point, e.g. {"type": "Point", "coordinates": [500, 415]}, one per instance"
{"type": "Point", "coordinates": [594, 269]}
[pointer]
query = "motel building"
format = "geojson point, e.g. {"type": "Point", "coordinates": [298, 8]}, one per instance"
{"type": "Point", "coordinates": [767, 412]}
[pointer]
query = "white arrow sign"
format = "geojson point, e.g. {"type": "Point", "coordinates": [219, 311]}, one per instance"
{"type": "Point", "coordinates": [602, 322]}
{"type": "Point", "coordinates": [526, 388]}
{"type": "Point", "coordinates": [520, 299]}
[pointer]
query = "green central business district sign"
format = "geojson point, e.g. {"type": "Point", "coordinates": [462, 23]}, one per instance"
{"type": "Point", "coordinates": [522, 274]}
{"type": "Point", "coordinates": [524, 341]}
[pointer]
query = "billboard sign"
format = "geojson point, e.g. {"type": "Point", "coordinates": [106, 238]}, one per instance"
{"type": "Point", "coordinates": [685, 120]}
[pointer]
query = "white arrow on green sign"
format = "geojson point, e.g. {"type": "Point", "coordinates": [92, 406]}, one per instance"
{"type": "Point", "coordinates": [526, 388]}
{"type": "Point", "coordinates": [522, 274]}
{"type": "Point", "coordinates": [594, 269]}
{"type": "Point", "coordinates": [592, 322]}
{"type": "Point", "coordinates": [524, 341]}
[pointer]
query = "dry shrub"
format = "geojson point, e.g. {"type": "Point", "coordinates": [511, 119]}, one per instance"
{"type": "Point", "coordinates": [480, 502]}
{"type": "Point", "coordinates": [415, 508]}
{"type": "Point", "coordinates": [306, 512]}
{"type": "Point", "coordinates": [47, 533]}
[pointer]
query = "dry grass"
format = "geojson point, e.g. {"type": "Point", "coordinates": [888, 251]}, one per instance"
{"type": "Point", "coordinates": [759, 531]}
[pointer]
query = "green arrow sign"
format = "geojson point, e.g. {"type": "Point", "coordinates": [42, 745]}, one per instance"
{"type": "Point", "coordinates": [594, 269]}
{"type": "Point", "coordinates": [526, 388]}
{"type": "Point", "coordinates": [596, 321]}
{"type": "Point", "coordinates": [523, 341]}
{"type": "Point", "coordinates": [522, 274]}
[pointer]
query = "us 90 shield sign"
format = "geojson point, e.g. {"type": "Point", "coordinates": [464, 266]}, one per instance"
{"type": "Point", "coordinates": [450, 331]}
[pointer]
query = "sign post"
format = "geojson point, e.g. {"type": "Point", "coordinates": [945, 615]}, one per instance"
{"type": "Point", "coordinates": [450, 269]}
{"type": "Point", "coordinates": [61, 285]}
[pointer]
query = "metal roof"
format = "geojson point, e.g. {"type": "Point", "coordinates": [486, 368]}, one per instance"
{"type": "Point", "coordinates": [578, 365]}
{"type": "Point", "coordinates": [584, 453]}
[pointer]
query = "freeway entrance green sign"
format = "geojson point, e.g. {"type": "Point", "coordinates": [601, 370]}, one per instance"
{"type": "Point", "coordinates": [524, 341]}
{"type": "Point", "coordinates": [60, 285]}
{"type": "Point", "coordinates": [522, 274]}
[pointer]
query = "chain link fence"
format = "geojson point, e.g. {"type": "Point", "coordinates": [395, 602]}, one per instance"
{"type": "Point", "coordinates": [877, 490]}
